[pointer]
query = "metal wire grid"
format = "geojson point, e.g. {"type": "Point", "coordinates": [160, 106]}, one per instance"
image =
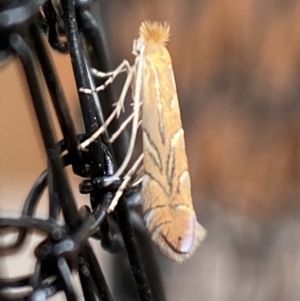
{"type": "Point", "coordinates": [66, 248]}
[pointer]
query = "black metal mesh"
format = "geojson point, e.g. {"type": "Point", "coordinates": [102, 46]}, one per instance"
{"type": "Point", "coordinates": [66, 250]}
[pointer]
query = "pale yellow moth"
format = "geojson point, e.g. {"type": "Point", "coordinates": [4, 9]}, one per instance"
{"type": "Point", "coordinates": [166, 186]}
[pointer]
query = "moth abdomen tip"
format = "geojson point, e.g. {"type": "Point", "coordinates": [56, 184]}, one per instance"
{"type": "Point", "coordinates": [179, 245]}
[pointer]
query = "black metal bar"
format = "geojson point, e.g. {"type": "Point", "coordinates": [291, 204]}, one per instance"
{"type": "Point", "coordinates": [97, 275]}
{"type": "Point", "coordinates": [54, 204]}
{"type": "Point", "coordinates": [92, 276]}
{"type": "Point", "coordinates": [34, 194]}
{"type": "Point", "coordinates": [93, 34]}
{"type": "Point", "coordinates": [79, 67]}
{"type": "Point", "coordinates": [17, 14]}
{"type": "Point", "coordinates": [47, 226]}
{"type": "Point", "coordinates": [52, 27]}
{"type": "Point", "coordinates": [133, 252]}
{"type": "Point", "coordinates": [66, 277]}
{"type": "Point", "coordinates": [46, 126]}
{"type": "Point", "coordinates": [87, 282]}
{"type": "Point", "coordinates": [58, 99]}
{"type": "Point", "coordinates": [94, 284]}
{"type": "Point", "coordinates": [35, 280]}
{"type": "Point", "coordinates": [87, 102]}
{"type": "Point", "coordinates": [14, 282]}
{"type": "Point", "coordinates": [28, 209]}
{"type": "Point", "coordinates": [150, 259]}
{"type": "Point", "coordinates": [95, 40]}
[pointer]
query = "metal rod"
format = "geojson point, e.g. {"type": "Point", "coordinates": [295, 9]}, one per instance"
{"type": "Point", "coordinates": [66, 277]}
{"type": "Point", "coordinates": [133, 252]}
{"type": "Point", "coordinates": [87, 102]}
{"type": "Point", "coordinates": [47, 129]}
{"type": "Point", "coordinates": [87, 282]}
{"type": "Point", "coordinates": [93, 33]}
{"type": "Point", "coordinates": [58, 98]}
{"type": "Point", "coordinates": [95, 39]}
{"type": "Point", "coordinates": [98, 275]}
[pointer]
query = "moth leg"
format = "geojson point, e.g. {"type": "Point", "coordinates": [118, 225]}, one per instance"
{"type": "Point", "coordinates": [114, 113]}
{"type": "Point", "coordinates": [139, 177]}
{"type": "Point", "coordinates": [123, 186]}
{"type": "Point", "coordinates": [101, 74]}
{"type": "Point", "coordinates": [124, 66]}
{"type": "Point", "coordinates": [135, 122]}
{"type": "Point", "coordinates": [122, 127]}
{"type": "Point", "coordinates": [136, 115]}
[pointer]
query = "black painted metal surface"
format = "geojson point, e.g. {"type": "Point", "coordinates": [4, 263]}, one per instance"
{"type": "Point", "coordinates": [66, 247]}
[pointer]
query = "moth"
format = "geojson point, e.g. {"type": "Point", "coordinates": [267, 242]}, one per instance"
{"type": "Point", "coordinates": [166, 187]}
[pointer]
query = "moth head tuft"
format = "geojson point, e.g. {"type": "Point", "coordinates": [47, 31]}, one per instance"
{"type": "Point", "coordinates": [155, 32]}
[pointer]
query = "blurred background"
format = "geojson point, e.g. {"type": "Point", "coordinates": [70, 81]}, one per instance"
{"type": "Point", "coordinates": [236, 65]}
